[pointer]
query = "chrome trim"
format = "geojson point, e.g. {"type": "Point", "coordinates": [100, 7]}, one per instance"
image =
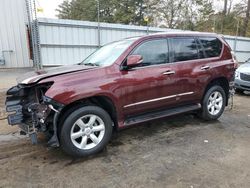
{"type": "Point", "coordinates": [206, 67]}
{"type": "Point", "coordinates": [168, 72]}
{"type": "Point", "coordinates": [158, 99]}
{"type": "Point", "coordinates": [187, 93]}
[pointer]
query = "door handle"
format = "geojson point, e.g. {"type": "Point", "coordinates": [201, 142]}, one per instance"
{"type": "Point", "coordinates": [205, 67]}
{"type": "Point", "coordinates": [168, 72]}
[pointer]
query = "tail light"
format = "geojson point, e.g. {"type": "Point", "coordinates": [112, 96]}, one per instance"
{"type": "Point", "coordinates": [235, 61]}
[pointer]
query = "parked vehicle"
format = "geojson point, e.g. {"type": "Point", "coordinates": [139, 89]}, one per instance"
{"type": "Point", "coordinates": [242, 77]}
{"type": "Point", "coordinates": [122, 84]}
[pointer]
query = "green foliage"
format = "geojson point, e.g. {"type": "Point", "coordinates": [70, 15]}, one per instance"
{"type": "Point", "coordinates": [200, 15]}
{"type": "Point", "coordinates": [111, 11]}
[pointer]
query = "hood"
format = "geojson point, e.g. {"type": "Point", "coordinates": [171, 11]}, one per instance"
{"type": "Point", "coordinates": [244, 68]}
{"type": "Point", "coordinates": [36, 76]}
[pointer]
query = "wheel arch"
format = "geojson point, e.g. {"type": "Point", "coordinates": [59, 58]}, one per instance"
{"type": "Point", "coordinates": [221, 81]}
{"type": "Point", "coordinates": [101, 100]}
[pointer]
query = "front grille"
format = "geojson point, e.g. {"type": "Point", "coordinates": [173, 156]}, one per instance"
{"type": "Point", "coordinates": [245, 77]}
{"type": "Point", "coordinates": [245, 86]}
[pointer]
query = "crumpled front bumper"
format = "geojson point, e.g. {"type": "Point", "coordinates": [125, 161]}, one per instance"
{"type": "Point", "coordinates": [14, 105]}
{"type": "Point", "coordinates": [31, 114]}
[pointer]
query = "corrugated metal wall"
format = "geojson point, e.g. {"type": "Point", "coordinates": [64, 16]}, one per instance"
{"type": "Point", "coordinates": [13, 36]}
{"type": "Point", "coordinates": [241, 46]}
{"type": "Point", "coordinates": [69, 41]}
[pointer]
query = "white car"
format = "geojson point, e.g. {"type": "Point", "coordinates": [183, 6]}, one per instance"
{"type": "Point", "coordinates": [242, 77]}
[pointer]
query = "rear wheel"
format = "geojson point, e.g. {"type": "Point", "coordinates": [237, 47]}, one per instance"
{"type": "Point", "coordinates": [213, 103]}
{"type": "Point", "coordinates": [86, 131]}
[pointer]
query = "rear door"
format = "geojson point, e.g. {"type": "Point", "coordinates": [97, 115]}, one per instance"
{"type": "Point", "coordinates": [194, 67]}
{"type": "Point", "coordinates": [185, 56]}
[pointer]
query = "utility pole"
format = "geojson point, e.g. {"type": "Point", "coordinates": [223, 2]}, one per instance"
{"type": "Point", "coordinates": [214, 25]}
{"type": "Point", "coordinates": [214, 21]}
{"type": "Point", "coordinates": [236, 35]}
{"type": "Point", "coordinates": [224, 13]}
{"type": "Point", "coordinates": [98, 20]}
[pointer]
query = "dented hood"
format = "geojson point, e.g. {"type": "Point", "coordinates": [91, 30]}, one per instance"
{"type": "Point", "coordinates": [36, 76]}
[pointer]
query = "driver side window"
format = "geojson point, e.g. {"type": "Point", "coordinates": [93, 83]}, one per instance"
{"type": "Point", "coordinates": [153, 52]}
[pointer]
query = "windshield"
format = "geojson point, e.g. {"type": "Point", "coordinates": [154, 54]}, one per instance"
{"type": "Point", "coordinates": [107, 54]}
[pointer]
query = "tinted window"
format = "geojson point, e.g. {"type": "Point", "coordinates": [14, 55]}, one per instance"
{"type": "Point", "coordinates": [212, 46]}
{"type": "Point", "coordinates": [184, 49]}
{"type": "Point", "coordinates": [153, 52]}
{"type": "Point", "coordinates": [201, 52]}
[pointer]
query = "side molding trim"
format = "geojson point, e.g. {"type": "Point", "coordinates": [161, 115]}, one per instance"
{"type": "Point", "coordinates": [158, 99]}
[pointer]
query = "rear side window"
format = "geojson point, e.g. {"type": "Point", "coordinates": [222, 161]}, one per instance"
{"type": "Point", "coordinates": [211, 45]}
{"type": "Point", "coordinates": [184, 49]}
{"type": "Point", "coordinates": [153, 52]}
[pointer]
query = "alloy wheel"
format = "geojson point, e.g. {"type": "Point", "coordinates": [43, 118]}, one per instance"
{"type": "Point", "coordinates": [87, 132]}
{"type": "Point", "coordinates": [215, 103]}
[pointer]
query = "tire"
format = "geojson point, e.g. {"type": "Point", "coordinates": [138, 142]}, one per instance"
{"type": "Point", "coordinates": [86, 131]}
{"type": "Point", "coordinates": [213, 103]}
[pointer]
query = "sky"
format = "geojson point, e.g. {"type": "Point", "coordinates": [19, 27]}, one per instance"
{"type": "Point", "coordinates": [219, 4]}
{"type": "Point", "coordinates": [49, 7]}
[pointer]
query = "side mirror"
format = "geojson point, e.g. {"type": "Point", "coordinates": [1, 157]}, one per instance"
{"type": "Point", "coordinates": [134, 60]}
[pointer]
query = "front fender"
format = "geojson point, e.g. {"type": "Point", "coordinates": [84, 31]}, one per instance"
{"type": "Point", "coordinates": [70, 95]}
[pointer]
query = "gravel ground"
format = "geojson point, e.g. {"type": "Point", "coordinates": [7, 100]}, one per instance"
{"type": "Point", "coordinates": [181, 151]}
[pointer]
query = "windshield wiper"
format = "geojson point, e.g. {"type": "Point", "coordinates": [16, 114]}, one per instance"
{"type": "Point", "coordinates": [91, 64]}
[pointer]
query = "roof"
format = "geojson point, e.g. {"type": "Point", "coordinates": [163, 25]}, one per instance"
{"type": "Point", "coordinates": [183, 33]}
{"type": "Point", "coordinates": [173, 33]}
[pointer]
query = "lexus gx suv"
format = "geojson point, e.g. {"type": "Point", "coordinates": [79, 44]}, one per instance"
{"type": "Point", "coordinates": [121, 84]}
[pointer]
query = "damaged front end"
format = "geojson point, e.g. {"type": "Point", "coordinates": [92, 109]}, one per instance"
{"type": "Point", "coordinates": [29, 108]}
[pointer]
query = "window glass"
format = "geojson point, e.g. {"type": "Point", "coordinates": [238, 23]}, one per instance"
{"type": "Point", "coordinates": [212, 46]}
{"type": "Point", "coordinates": [201, 52]}
{"type": "Point", "coordinates": [153, 52]}
{"type": "Point", "coordinates": [107, 54]}
{"type": "Point", "coordinates": [184, 48]}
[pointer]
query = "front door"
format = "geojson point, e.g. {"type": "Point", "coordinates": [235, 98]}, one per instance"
{"type": "Point", "coordinates": [152, 85]}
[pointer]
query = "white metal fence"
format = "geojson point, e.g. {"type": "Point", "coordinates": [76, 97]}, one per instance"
{"type": "Point", "coordinates": [69, 41]}
{"type": "Point", "coordinates": [240, 46]}
{"type": "Point", "coordinates": [14, 50]}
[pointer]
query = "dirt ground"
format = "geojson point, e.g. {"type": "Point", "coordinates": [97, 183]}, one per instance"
{"type": "Point", "coordinates": [182, 151]}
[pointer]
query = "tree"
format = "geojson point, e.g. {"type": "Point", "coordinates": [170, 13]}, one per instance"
{"type": "Point", "coordinates": [169, 12]}
{"type": "Point", "coordinates": [111, 11]}
{"type": "Point", "coordinates": [181, 14]}
{"type": "Point", "coordinates": [64, 10]}
{"type": "Point", "coordinates": [224, 13]}
{"type": "Point", "coordinates": [86, 10]}
{"type": "Point", "coordinates": [205, 20]}
{"type": "Point", "coordinates": [199, 15]}
{"type": "Point", "coordinates": [246, 20]}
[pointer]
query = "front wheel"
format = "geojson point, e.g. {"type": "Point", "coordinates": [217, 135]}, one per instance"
{"type": "Point", "coordinates": [86, 131]}
{"type": "Point", "coordinates": [213, 103]}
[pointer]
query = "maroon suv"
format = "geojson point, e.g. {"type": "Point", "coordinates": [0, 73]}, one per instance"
{"type": "Point", "coordinates": [121, 84]}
